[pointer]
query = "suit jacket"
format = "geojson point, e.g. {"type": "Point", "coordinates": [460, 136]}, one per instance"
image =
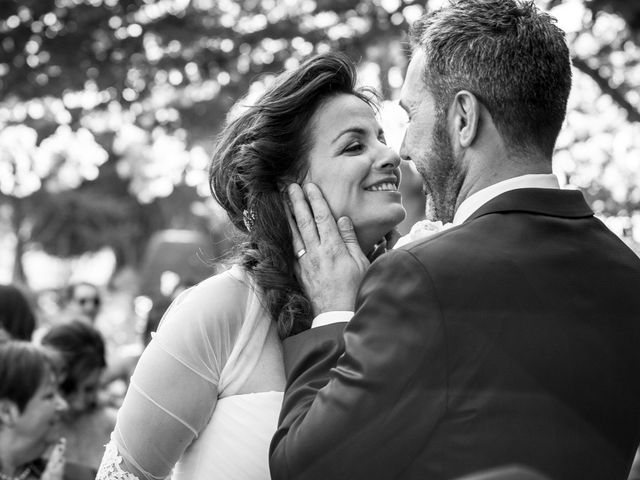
{"type": "Point", "coordinates": [512, 338]}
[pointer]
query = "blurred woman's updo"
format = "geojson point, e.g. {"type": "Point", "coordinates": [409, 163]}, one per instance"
{"type": "Point", "coordinates": [257, 155]}
{"type": "Point", "coordinates": [79, 349]}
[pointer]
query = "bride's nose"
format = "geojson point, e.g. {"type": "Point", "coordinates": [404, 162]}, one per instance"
{"type": "Point", "coordinates": [387, 159]}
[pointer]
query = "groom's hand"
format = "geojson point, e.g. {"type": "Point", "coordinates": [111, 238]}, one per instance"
{"type": "Point", "coordinates": [333, 264]}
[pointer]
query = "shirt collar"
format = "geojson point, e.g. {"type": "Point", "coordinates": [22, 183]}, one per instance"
{"type": "Point", "coordinates": [478, 199]}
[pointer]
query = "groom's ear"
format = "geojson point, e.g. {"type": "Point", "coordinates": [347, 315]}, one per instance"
{"type": "Point", "coordinates": [466, 115]}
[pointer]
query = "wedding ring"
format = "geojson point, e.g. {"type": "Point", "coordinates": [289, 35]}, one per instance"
{"type": "Point", "coordinates": [300, 253]}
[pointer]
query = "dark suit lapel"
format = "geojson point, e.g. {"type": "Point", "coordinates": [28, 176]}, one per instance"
{"type": "Point", "coordinates": [542, 201]}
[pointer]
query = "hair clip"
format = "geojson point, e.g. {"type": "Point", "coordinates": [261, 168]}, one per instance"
{"type": "Point", "coordinates": [249, 219]}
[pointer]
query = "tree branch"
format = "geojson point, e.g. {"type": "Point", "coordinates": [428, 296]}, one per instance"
{"type": "Point", "coordinates": [605, 86]}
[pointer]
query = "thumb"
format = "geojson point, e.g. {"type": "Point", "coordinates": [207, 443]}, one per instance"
{"type": "Point", "coordinates": [349, 238]}
{"type": "Point", "coordinates": [347, 232]}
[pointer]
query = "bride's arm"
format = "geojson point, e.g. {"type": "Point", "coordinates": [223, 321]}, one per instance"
{"type": "Point", "coordinates": [167, 405]}
{"type": "Point", "coordinates": [174, 388]}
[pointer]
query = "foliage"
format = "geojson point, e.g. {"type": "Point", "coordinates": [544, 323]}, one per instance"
{"type": "Point", "coordinates": [149, 83]}
{"type": "Point", "coordinates": [600, 143]}
{"type": "Point", "coordinates": [108, 107]}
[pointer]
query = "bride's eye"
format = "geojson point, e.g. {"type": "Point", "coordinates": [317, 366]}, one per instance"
{"type": "Point", "coordinates": [354, 147]}
{"type": "Point", "coordinates": [382, 139]}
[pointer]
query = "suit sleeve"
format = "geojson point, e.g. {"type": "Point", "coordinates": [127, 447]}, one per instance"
{"type": "Point", "coordinates": [368, 415]}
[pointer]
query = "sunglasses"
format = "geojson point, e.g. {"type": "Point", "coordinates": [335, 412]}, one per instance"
{"type": "Point", "coordinates": [90, 300]}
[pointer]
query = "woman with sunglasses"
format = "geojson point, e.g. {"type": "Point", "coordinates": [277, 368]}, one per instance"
{"type": "Point", "coordinates": [83, 298]}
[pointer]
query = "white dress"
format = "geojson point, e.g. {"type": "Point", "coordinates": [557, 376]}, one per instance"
{"type": "Point", "coordinates": [205, 397]}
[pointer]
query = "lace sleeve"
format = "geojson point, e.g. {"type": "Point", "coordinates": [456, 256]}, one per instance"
{"type": "Point", "coordinates": [110, 468]}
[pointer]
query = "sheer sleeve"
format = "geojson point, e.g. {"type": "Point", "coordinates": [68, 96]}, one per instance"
{"type": "Point", "coordinates": [174, 388]}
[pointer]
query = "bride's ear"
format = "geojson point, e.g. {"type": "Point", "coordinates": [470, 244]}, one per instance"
{"type": "Point", "coordinates": [9, 413]}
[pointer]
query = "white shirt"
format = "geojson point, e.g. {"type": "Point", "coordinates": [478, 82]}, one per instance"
{"type": "Point", "coordinates": [470, 205]}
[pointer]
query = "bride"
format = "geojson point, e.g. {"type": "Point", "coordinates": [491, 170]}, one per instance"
{"type": "Point", "coordinates": [205, 397]}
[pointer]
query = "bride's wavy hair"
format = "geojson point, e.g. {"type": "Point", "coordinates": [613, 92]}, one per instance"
{"type": "Point", "coordinates": [256, 156]}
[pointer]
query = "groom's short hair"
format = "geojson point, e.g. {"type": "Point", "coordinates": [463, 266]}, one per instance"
{"type": "Point", "coordinates": [509, 54]}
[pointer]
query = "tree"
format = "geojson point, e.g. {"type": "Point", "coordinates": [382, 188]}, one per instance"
{"type": "Point", "coordinates": [139, 75]}
{"type": "Point", "coordinates": [151, 82]}
{"type": "Point", "coordinates": [598, 148]}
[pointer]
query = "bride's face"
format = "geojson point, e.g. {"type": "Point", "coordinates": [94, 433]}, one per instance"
{"type": "Point", "coordinates": [357, 172]}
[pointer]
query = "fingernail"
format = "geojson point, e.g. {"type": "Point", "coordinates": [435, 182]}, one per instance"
{"type": "Point", "coordinates": [344, 222]}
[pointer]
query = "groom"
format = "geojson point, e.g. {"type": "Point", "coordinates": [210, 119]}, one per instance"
{"type": "Point", "coordinates": [512, 337]}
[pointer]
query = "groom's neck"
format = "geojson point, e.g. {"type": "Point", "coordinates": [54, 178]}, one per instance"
{"type": "Point", "coordinates": [487, 170]}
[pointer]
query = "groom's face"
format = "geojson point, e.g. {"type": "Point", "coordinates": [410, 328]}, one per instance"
{"type": "Point", "coordinates": [427, 143]}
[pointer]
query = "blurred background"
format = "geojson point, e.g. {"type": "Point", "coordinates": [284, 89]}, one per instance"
{"type": "Point", "coordinates": [109, 110]}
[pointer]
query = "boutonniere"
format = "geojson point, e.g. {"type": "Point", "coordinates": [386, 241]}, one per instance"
{"type": "Point", "coordinates": [422, 229]}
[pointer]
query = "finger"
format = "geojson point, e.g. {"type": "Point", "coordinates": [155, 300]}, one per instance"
{"type": "Point", "coordinates": [325, 223]}
{"type": "Point", "coordinates": [378, 249]}
{"type": "Point", "coordinates": [303, 216]}
{"type": "Point", "coordinates": [297, 242]}
{"type": "Point", "coordinates": [297, 271]}
{"type": "Point", "coordinates": [392, 238]}
{"type": "Point", "coordinates": [348, 235]}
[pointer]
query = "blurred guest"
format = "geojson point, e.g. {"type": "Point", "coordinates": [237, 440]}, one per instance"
{"type": "Point", "coordinates": [80, 353]}
{"type": "Point", "coordinates": [30, 412]}
{"type": "Point", "coordinates": [158, 309]}
{"type": "Point", "coordinates": [17, 319]}
{"type": "Point", "coordinates": [122, 368]}
{"type": "Point", "coordinates": [115, 379]}
{"type": "Point", "coordinates": [83, 298]}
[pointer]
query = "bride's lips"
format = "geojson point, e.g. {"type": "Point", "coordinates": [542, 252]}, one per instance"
{"type": "Point", "coordinates": [388, 184]}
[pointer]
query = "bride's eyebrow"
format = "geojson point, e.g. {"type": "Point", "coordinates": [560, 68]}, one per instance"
{"type": "Point", "coordinates": [358, 130]}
